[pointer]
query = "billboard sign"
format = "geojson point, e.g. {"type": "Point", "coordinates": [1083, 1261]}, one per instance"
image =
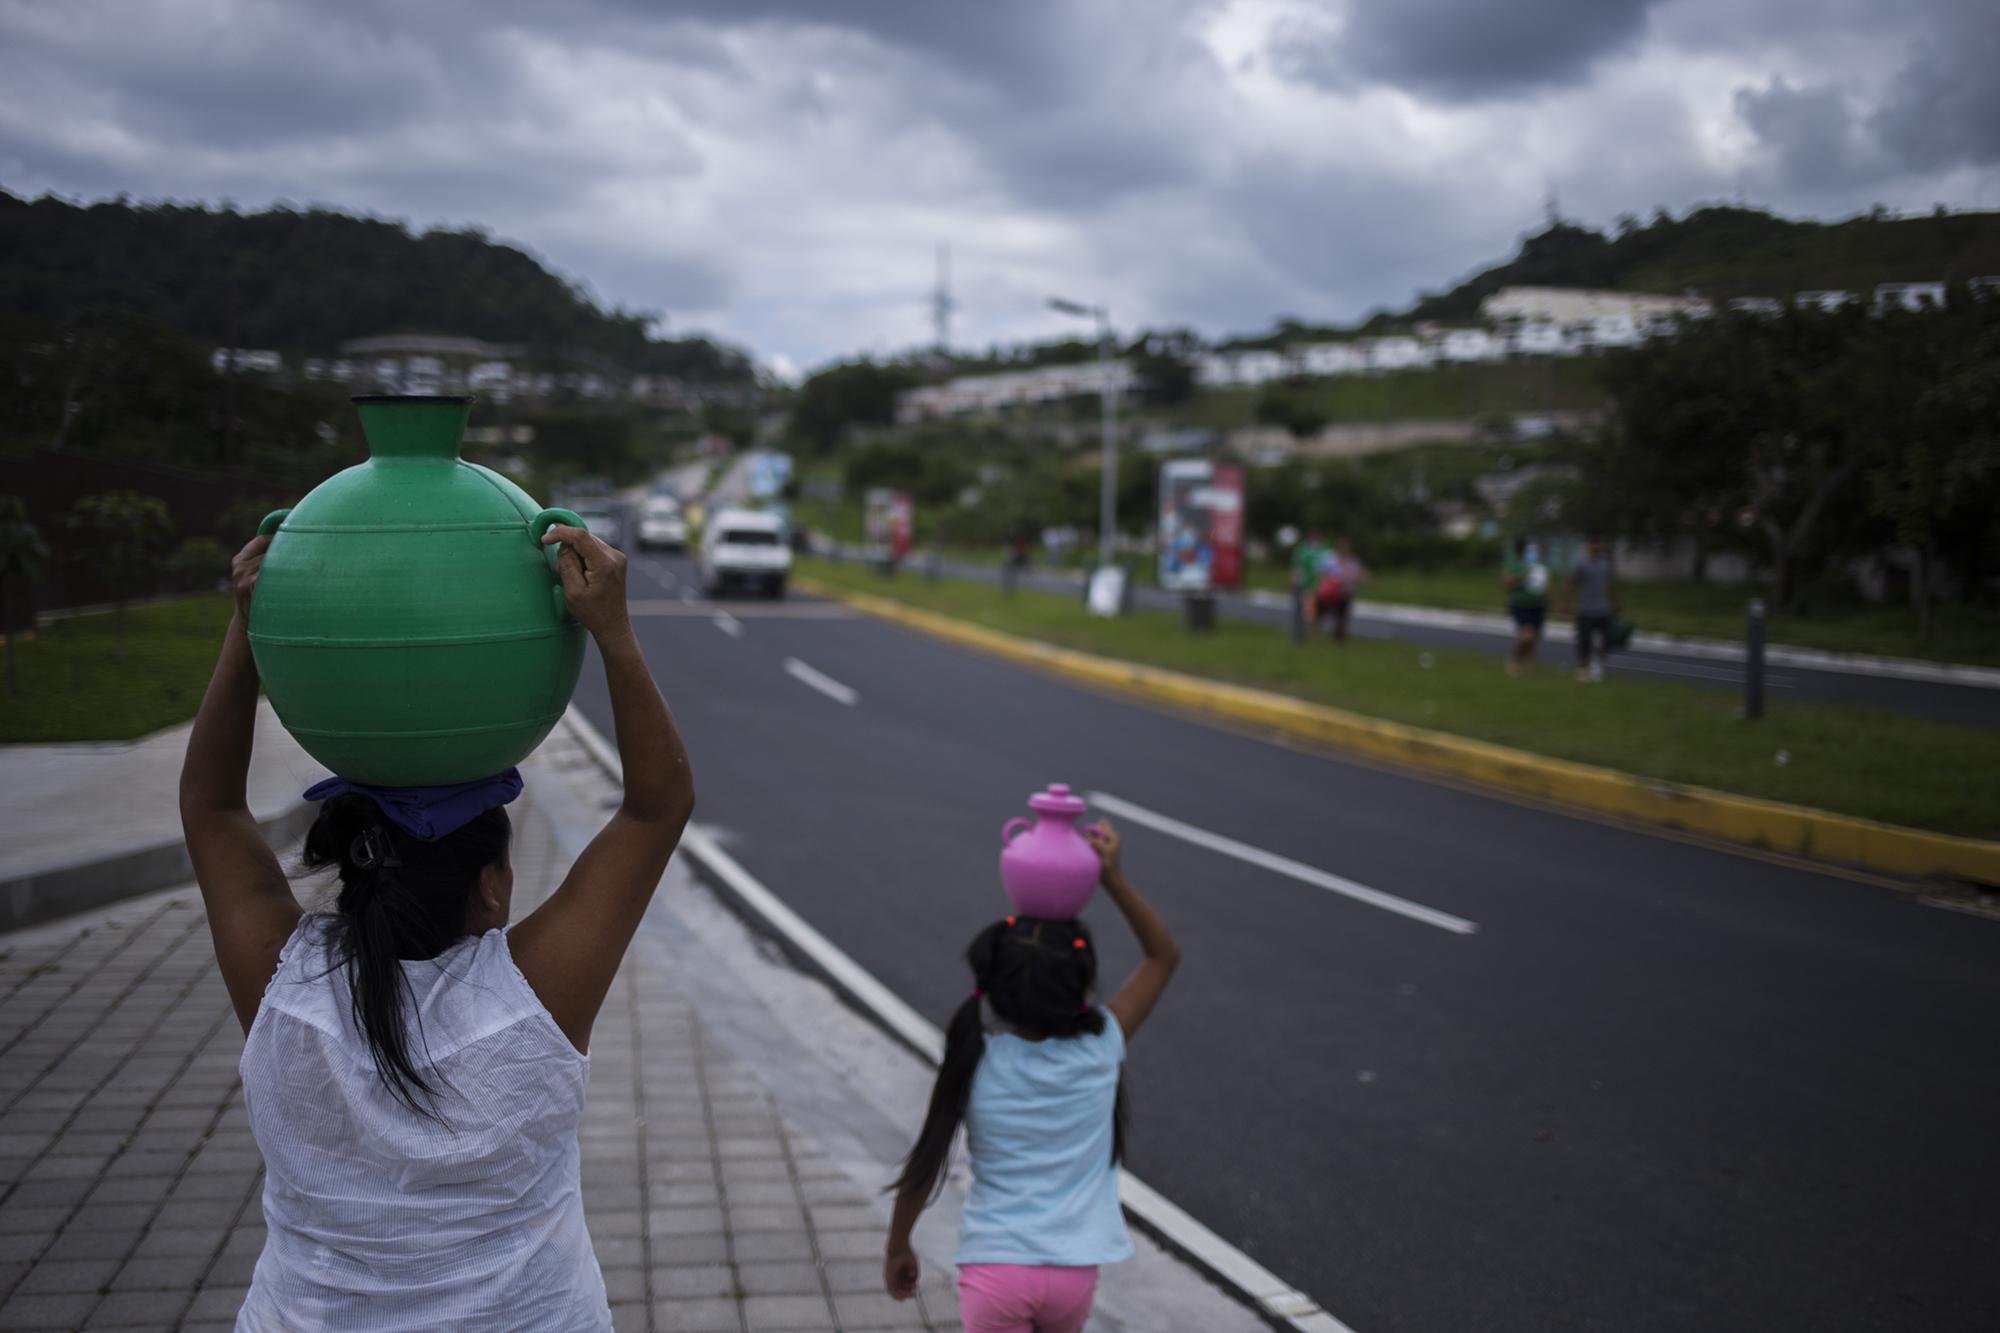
{"type": "Point", "coordinates": [890, 521]}
{"type": "Point", "coordinates": [1201, 525]}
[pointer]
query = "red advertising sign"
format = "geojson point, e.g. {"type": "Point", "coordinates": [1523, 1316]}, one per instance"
{"type": "Point", "coordinates": [1201, 525]}
{"type": "Point", "coordinates": [891, 521]}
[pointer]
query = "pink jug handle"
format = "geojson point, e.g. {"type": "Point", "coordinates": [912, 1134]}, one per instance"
{"type": "Point", "coordinates": [1007, 829]}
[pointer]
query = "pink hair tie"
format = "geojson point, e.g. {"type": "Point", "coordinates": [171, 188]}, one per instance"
{"type": "Point", "coordinates": [976, 992]}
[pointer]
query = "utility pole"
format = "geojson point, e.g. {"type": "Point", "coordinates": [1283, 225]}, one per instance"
{"type": "Point", "coordinates": [1107, 507]}
{"type": "Point", "coordinates": [941, 302]}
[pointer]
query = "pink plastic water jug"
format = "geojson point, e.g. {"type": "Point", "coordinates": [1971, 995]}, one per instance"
{"type": "Point", "coordinates": [1048, 867]}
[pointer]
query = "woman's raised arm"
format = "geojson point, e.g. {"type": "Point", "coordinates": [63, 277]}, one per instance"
{"type": "Point", "coordinates": [570, 947]}
{"type": "Point", "coordinates": [251, 910]}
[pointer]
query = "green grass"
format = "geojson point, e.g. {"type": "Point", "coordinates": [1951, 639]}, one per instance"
{"type": "Point", "coordinates": [72, 686]}
{"type": "Point", "coordinates": [1855, 761]}
{"type": "Point", "coordinates": [1707, 610]}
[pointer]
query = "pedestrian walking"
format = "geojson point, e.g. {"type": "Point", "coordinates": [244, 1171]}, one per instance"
{"type": "Point", "coordinates": [1341, 574]}
{"type": "Point", "coordinates": [1590, 590]}
{"type": "Point", "coordinates": [1305, 575]}
{"type": "Point", "coordinates": [1526, 580]}
{"type": "Point", "coordinates": [414, 1069]}
{"type": "Point", "coordinates": [1032, 1068]}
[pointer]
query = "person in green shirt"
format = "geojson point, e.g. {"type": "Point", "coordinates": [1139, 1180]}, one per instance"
{"type": "Point", "coordinates": [1305, 573]}
{"type": "Point", "coordinates": [1526, 580]}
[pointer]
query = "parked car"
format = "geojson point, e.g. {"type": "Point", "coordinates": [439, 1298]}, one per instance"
{"type": "Point", "coordinates": [661, 523]}
{"type": "Point", "coordinates": [745, 548]}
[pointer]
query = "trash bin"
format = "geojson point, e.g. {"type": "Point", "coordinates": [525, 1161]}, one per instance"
{"type": "Point", "coordinates": [1198, 612]}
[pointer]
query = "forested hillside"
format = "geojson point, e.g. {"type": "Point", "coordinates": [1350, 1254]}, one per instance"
{"type": "Point", "coordinates": [1725, 252]}
{"type": "Point", "coordinates": [304, 281]}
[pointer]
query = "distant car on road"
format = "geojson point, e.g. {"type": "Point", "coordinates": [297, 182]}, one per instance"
{"type": "Point", "coordinates": [745, 548]}
{"type": "Point", "coordinates": [601, 520]}
{"type": "Point", "coordinates": [661, 523]}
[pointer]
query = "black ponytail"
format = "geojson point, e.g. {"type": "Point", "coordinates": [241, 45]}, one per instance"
{"type": "Point", "coordinates": [964, 1044]}
{"type": "Point", "coordinates": [1037, 974]}
{"type": "Point", "coordinates": [400, 898]}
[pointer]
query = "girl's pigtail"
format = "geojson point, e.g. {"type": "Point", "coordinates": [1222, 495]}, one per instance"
{"type": "Point", "coordinates": [965, 1042]}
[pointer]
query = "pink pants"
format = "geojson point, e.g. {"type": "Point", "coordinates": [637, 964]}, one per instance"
{"type": "Point", "coordinates": [1024, 1298]}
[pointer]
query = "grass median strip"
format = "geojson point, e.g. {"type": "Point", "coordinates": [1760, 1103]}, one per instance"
{"type": "Point", "coordinates": [1876, 765]}
{"type": "Point", "coordinates": [73, 687]}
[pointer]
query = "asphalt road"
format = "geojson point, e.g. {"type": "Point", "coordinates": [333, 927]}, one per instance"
{"type": "Point", "coordinates": [1965, 705]}
{"type": "Point", "coordinates": [1661, 1086]}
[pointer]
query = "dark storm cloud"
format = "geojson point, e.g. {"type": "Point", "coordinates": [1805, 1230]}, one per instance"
{"type": "Point", "coordinates": [788, 166]}
{"type": "Point", "coordinates": [1944, 107]}
{"type": "Point", "coordinates": [1940, 111]}
{"type": "Point", "coordinates": [1459, 50]}
{"type": "Point", "coordinates": [1810, 132]}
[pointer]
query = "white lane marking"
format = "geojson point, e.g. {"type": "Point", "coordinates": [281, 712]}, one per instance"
{"type": "Point", "coordinates": [688, 596]}
{"type": "Point", "coordinates": [729, 624]}
{"type": "Point", "coordinates": [1291, 1307]}
{"type": "Point", "coordinates": [825, 684]}
{"type": "Point", "coordinates": [1282, 865]}
{"type": "Point", "coordinates": [664, 576]}
{"type": "Point", "coordinates": [1701, 673]}
{"type": "Point", "coordinates": [684, 607]}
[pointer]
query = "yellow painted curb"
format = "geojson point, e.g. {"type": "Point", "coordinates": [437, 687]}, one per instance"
{"type": "Point", "coordinates": [1797, 829]}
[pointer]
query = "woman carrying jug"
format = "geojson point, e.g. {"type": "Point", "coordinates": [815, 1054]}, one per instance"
{"type": "Point", "coordinates": [414, 1067]}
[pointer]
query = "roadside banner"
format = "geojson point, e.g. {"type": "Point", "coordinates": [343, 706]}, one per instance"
{"type": "Point", "coordinates": [1201, 525]}
{"type": "Point", "coordinates": [890, 521]}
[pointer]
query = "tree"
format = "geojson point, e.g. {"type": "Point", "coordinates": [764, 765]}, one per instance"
{"type": "Point", "coordinates": [1939, 482]}
{"type": "Point", "coordinates": [1163, 365]}
{"type": "Point", "coordinates": [855, 393]}
{"type": "Point", "coordinates": [22, 555]}
{"type": "Point", "coordinates": [123, 532]}
{"type": "Point", "coordinates": [201, 561]}
{"type": "Point", "coordinates": [1771, 417]}
{"type": "Point", "coordinates": [1296, 407]}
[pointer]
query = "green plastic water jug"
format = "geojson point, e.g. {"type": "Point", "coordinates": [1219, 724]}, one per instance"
{"type": "Point", "coordinates": [408, 624]}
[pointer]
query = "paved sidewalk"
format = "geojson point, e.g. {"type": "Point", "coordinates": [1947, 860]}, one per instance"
{"type": "Point", "coordinates": [61, 805]}
{"type": "Point", "coordinates": [129, 1183]}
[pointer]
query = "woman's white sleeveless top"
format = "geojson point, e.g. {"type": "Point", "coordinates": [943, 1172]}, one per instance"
{"type": "Point", "coordinates": [380, 1219]}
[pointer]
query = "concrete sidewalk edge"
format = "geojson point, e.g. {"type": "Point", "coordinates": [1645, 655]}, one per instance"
{"type": "Point", "coordinates": [1263, 1292]}
{"type": "Point", "coordinates": [44, 895]}
{"type": "Point", "coordinates": [1750, 821]}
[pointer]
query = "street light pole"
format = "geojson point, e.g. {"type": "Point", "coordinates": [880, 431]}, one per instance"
{"type": "Point", "coordinates": [1107, 506]}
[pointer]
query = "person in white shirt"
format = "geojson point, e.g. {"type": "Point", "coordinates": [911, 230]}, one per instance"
{"type": "Point", "coordinates": [413, 1068]}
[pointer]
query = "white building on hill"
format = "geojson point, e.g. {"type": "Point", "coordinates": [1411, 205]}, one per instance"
{"type": "Point", "coordinates": [1582, 305]}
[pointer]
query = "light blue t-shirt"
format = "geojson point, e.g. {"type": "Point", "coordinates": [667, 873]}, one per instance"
{"type": "Point", "coordinates": [1038, 1129]}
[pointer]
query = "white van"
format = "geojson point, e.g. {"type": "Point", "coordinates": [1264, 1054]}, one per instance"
{"type": "Point", "coordinates": [745, 548]}
{"type": "Point", "coordinates": [661, 523]}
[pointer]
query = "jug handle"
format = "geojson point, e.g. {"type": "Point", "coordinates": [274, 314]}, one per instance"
{"type": "Point", "coordinates": [1007, 829]}
{"type": "Point", "coordinates": [539, 525]}
{"type": "Point", "coordinates": [270, 522]}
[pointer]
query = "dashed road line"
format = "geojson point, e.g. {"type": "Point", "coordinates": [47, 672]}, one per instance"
{"type": "Point", "coordinates": [1282, 865]}
{"type": "Point", "coordinates": [820, 681]}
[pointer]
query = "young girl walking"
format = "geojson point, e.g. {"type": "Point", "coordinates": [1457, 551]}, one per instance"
{"type": "Point", "coordinates": [1032, 1069]}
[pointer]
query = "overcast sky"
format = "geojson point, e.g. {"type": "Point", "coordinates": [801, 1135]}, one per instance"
{"type": "Point", "coordinates": [780, 172]}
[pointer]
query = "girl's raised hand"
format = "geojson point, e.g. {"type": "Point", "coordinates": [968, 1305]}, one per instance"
{"type": "Point", "coordinates": [900, 1272]}
{"type": "Point", "coordinates": [1104, 841]}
